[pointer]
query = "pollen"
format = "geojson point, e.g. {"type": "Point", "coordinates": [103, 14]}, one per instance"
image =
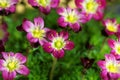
{"type": "Point", "coordinates": [111, 67]}
{"type": "Point", "coordinates": [3, 3]}
{"type": "Point", "coordinates": [44, 3]}
{"type": "Point", "coordinates": [111, 28]}
{"type": "Point", "coordinates": [38, 33]}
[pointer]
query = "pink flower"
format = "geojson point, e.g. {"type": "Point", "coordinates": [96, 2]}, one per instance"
{"type": "Point", "coordinates": [110, 68]}
{"type": "Point", "coordinates": [8, 6]}
{"type": "Point", "coordinates": [115, 46]}
{"type": "Point", "coordinates": [58, 43]}
{"type": "Point", "coordinates": [35, 31]}
{"type": "Point", "coordinates": [111, 26]}
{"type": "Point", "coordinates": [13, 64]}
{"type": "Point", "coordinates": [44, 5]}
{"type": "Point", "coordinates": [71, 17]}
{"type": "Point", "coordinates": [92, 8]}
{"type": "Point", "coordinates": [3, 32]}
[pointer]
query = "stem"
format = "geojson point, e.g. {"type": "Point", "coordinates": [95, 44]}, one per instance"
{"type": "Point", "coordinates": [53, 68]}
{"type": "Point", "coordinates": [103, 43]}
{"type": "Point", "coordinates": [1, 19]}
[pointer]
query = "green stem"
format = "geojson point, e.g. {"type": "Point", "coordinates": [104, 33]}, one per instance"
{"type": "Point", "coordinates": [103, 43]}
{"type": "Point", "coordinates": [53, 68]}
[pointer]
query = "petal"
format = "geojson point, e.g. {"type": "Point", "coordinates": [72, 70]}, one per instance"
{"type": "Point", "coordinates": [20, 57]}
{"type": "Point", "coordinates": [98, 15]}
{"type": "Point", "coordinates": [62, 22]}
{"type": "Point", "coordinates": [33, 2]}
{"type": "Point", "coordinates": [11, 9]}
{"type": "Point", "coordinates": [114, 76]}
{"type": "Point", "coordinates": [7, 54]}
{"type": "Point", "coordinates": [23, 70]}
{"type": "Point", "coordinates": [42, 41]}
{"type": "Point", "coordinates": [79, 3]}
{"type": "Point", "coordinates": [55, 3]}
{"type": "Point", "coordinates": [64, 34]}
{"type": "Point", "coordinates": [39, 22]}
{"type": "Point", "coordinates": [110, 57]}
{"type": "Point", "coordinates": [8, 75]}
{"type": "Point", "coordinates": [60, 10]}
{"type": "Point", "coordinates": [69, 45]}
{"type": "Point", "coordinates": [45, 10]}
{"type": "Point", "coordinates": [58, 54]}
{"type": "Point", "coordinates": [47, 47]}
{"type": "Point", "coordinates": [31, 38]}
{"type": "Point", "coordinates": [101, 64]}
{"type": "Point", "coordinates": [104, 74]}
{"type": "Point", "coordinates": [27, 25]}
{"type": "Point", "coordinates": [1, 64]}
{"type": "Point", "coordinates": [76, 27]}
{"type": "Point", "coordinates": [111, 43]}
{"type": "Point", "coordinates": [52, 34]}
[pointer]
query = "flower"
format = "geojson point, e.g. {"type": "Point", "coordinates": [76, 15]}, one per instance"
{"type": "Point", "coordinates": [110, 68]}
{"type": "Point", "coordinates": [92, 8]}
{"type": "Point", "coordinates": [7, 6]}
{"type": "Point", "coordinates": [115, 46]}
{"type": "Point", "coordinates": [71, 17]}
{"type": "Point", "coordinates": [58, 43]}
{"type": "Point", "coordinates": [3, 32]}
{"type": "Point", "coordinates": [13, 64]}
{"type": "Point", "coordinates": [44, 5]}
{"type": "Point", "coordinates": [111, 26]}
{"type": "Point", "coordinates": [35, 31]}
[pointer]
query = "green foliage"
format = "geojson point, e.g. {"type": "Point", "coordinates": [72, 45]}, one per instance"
{"type": "Point", "coordinates": [69, 67]}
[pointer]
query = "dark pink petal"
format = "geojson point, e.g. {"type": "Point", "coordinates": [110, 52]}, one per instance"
{"type": "Point", "coordinates": [110, 57]}
{"type": "Point", "coordinates": [60, 10]}
{"type": "Point", "coordinates": [98, 15]}
{"type": "Point", "coordinates": [7, 54]}
{"type": "Point", "coordinates": [33, 2]}
{"type": "Point", "coordinates": [69, 45]}
{"type": "Point", "coordinates": [23, 70]}
{"type": "Point", "coordinates": [39, 22]}
{"type": "Point", "coordinates": [58, 54]}
{"type": "Point", "coordinates": [102, 3]}
{"type": "Point", "coordinates": [54, 3]}
{"type": "Point", "coordinates": [111, 43]}
{"type": "Point", "coordinates": [8, 75]}
{"type": "Point", "coordinates": [101, 64]}
{"type": "Point", "coordinates": [31, 38]}
{"type": "Point", "coordinates": [79, 3]}
{"type": "Point", "coordinates": [62, 22]}
{"type": "Point", "coordinates": [109, 32]}
{"type": "Point", "coordinates": [76, 27]}
{"type": "Point", "coordinates": [64, 35]}
{"type": "Point", "coordinates": [27, 25]}
{"type": "Point", "coordinates": [52, 34]}
{"type": "Point", "coordinates": [20, 57]}
{"type": "Point", "coordinates": [47, 47]}
{"type": "Point", "coordinates": [114, 76]}
{"type": "Point", "coordinates": [45, 10]}
{"type": "Point", "coordinates": [1, 65]}
{"type": "Point", "coordinates": [11, 9]}
{"type": "Point", "coordinates": [104, 75]}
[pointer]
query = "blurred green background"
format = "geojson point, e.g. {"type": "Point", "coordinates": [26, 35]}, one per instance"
{"type": "Point", "coordinates": [90, 43]}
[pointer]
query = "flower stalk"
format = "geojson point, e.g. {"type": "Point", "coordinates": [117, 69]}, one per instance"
{"type": "Point", "coordinates": [53, 68]}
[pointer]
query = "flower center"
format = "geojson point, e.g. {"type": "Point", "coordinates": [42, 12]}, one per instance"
{"type": "Point", "coordinates": [58, 43]}
{"type": "Point", "coordinates": [3, 3]}
{"type": "Point", "coordinates": [71, 18]}
{"type": "Point", "coordinates": [91, 6]}
{"type": "Point", "coordinates": [111, 28]}
{"type": "Point", "coordinates": [111, 67]}
{"type": "Point", "coordinates": [117, 48]}
{"type": "Point", "coordinates": [1, 34]}
{"type": "Point", "coordinates": [11, 66]}
{"type": "Point", "coordinates": [38, 33]}
{"type": "Point", "coordinates": [44, 3]}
